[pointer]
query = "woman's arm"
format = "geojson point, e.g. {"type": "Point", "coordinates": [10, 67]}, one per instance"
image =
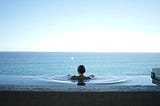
{"type": "Point", "coordinates": [74, 77]}
{"type": "Point", "coordinates": [91, 76]}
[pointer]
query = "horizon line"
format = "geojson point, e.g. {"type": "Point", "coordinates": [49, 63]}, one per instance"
{"type": "Point", "coordinates": [87, 51]}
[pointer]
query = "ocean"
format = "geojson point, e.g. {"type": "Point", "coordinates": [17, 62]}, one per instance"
{"type": "Point", "coordinates": [21, 67]}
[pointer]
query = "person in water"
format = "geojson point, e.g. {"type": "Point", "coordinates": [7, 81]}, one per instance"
{"type": "Point", "coordinates": [81, 70]}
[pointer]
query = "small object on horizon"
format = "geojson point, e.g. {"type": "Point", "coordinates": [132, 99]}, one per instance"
{"type": "Point", "coordinates": [72, 58]}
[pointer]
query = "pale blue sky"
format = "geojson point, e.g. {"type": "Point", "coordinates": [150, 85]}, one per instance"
{"type": "Point", "coordinates": [80, 25]}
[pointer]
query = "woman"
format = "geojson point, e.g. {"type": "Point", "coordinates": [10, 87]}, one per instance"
{"type": "Point", "coordinates": [81, 70]}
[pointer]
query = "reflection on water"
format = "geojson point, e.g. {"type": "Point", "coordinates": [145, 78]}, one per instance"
{"type": "Point", "coordinates": [81, 82]}
{"type": "Point", "coordinates": [96, 80]}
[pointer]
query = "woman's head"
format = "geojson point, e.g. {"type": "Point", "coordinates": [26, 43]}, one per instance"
{"type": "Point", "coordinates": [81, 69]}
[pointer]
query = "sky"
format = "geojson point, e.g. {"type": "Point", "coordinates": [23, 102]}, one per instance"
{"type": "Point", "coordinates": [80, 25]}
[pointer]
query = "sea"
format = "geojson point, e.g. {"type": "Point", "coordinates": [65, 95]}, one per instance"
{"type": "Point", "coordinates": [54, 68]}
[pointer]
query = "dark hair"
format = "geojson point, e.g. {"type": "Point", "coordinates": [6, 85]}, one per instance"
{"type": "Point", "coordinates": [81, 69]}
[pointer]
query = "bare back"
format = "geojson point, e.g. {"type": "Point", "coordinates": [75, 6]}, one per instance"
{"type": "Point", "coordinates": [80, 77]}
